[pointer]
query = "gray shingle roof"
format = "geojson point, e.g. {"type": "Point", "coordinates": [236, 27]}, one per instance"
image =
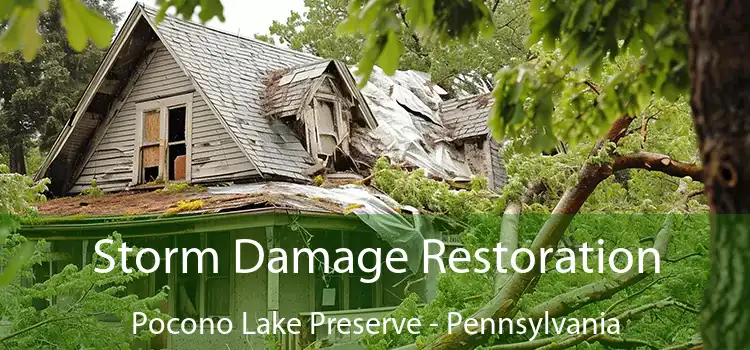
{"type": "Point", "coordinates": [231, 71]}
{"type": "Point", "coordinates": [289, 88]}
{"type": "Point", "coordinates": [467, 116]}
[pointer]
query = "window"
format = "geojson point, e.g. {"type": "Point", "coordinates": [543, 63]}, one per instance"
{"type": "Point", "coordinates": [329, 132]}
{"type": "Point", "coordinates": [327, 135]}
{"type": "Point", "coordinates": [217, 284]}
{"type": "Point", "coordinates": [207, 294]}
{"type": "Point", "coordinates": [163, 148]}
{"type": "Point", "coordinates": [345, 291]}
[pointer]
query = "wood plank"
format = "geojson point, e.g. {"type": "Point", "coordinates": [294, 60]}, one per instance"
{"type": "Point", "coordinates": [151, 126]}
{"type": "Point", "coordinates": [151, 156]}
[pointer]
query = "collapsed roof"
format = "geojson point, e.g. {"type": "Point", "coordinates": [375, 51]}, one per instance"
{"type": "Point", "coordinates": [248, 84]}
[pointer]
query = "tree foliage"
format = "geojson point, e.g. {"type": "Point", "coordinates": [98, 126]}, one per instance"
{"type": "Point", "coordinates": [39, 92]}
{"type": "Point", "coordinates": [66, 309]}
{"type": "Point", "coordinates": [21, 18]}
{"type": "Point", "coordinates": [625, 211]}
{"type": "Point", "coordinates": [453, 65]}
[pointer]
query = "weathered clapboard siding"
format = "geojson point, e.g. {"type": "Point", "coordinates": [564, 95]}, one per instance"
{"type": "Point", "coordinates": [216, 157]}
{"type": "Point", "coordinates": [499, 175]}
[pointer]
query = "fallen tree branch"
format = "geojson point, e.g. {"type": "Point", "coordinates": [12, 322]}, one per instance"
{"type": "Point", "coordinates": [509, 239]}
{"type": "Point", "coordinates": [696, 343]}
{"type": "Point", "coordinates": [592, 335]}
{"type": "Point", "coordinates": [657, 162]}
{"type": "Point", "coordinates": [683, 257]}
{"type": "Point", "coordinates": [528, 345]}
{"type": "Point", "coordinates": [566, 303]}
{"type": "Point", "coordinates": [503, 304]}
{"type": "Point", "coordinates": [631, 296]}
{"type": "Point", "coordinates": [623, 343]}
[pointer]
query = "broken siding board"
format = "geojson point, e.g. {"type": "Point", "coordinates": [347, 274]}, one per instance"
{"type": "Point", "coordinates": [217, 158]}
{"type": "Point", "coordinates": [224, 172]}
{"type": "Point", "coordinates": [213, 133]}
{"type": "Point", "coordinates": [216, 148]}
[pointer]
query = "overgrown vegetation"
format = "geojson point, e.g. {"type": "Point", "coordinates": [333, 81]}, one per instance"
{"type": "Point", "coordinates": [626, 210]}
{"type": "Point", "coordinates": [93, 190]}
{"type": "Point", "coordinates": [185, 206]}
{"type": "Point", "coordinates": [180, 187]}
{"type": "Point", "coordinates": [65, 310]}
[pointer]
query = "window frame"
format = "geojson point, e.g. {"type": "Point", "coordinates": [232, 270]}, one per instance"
{"type": "Point", "coordinates": [342, 130]}
{"type": "Point", "coordinates": [206, 275]}
{"type": "Point", "coordinates": [201, 303]}
{"type": "Point", "coordinates": [163, 105]}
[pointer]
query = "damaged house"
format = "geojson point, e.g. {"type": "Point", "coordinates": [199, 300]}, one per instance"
{"type": "Point", "coordinates": [177, 102]}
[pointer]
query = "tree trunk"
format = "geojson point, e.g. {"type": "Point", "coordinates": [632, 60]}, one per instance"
{"type": "Point", "coordinates": [17, 157]}
{"type": "Point", "coordinates": [720, 79]}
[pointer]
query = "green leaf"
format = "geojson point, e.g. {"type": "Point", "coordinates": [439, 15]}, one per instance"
{"type": "Point", "coordinates": [211, 9]}
{"type": "Point", "coordinates": [420, 12]}
{"type": "Point", "coordinates": [6, 9]}
{"type": "Point", "coordinates": [21, 33]}
{"type": "Point", "coordinates": [16, 263]}
{"type": "Point", "coordinates": [391, 51]}
{"type": "Point", "coordinates": [82, 24]}
{"type": "Point", "coordinates": [186, 9]}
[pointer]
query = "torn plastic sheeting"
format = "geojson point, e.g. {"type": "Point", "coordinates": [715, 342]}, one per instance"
{"type": "Point", "coordinates": [390, 114]}
{"type": "Point", "coordinates": [397, 132]}
{"type": "Point", "coordinates": [420, 88]}
{"type": "Point", "coordinates": [407, 99]}
{"type": "Point", "coordinates": [376, 211]}
{"type": "Point", "coordinates": [403, 134]}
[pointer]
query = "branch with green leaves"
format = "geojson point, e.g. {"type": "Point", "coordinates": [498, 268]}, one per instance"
{"type": "Point", "coordinates": [21, 19]}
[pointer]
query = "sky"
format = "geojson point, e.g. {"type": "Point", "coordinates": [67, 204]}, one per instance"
{"type": "Point", "coordinates": [244, 17]}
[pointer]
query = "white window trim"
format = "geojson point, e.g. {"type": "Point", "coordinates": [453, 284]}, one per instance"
{"type": "Point", "coordinates": [163, 105]}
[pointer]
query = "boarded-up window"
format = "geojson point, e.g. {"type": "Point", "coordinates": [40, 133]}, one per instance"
{"type": "Point", "coordinates": [151, 148]}
{"type": "Point", "coordinates": [163, 151]}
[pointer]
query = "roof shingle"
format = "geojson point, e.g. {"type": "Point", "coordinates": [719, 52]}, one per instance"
{"type": "Point", "coordinates": [467, 116]}
{"type": "Point", "coordinates": [230, 70]}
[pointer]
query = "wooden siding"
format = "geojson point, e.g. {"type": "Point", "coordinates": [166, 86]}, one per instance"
{"type": "Point", "coordinates": [215, 155]}
{"type": "Point", "coordinates": [499, 176]}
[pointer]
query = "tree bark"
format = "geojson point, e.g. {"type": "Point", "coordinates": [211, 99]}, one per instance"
{"type": "Point", "coordinates": [509, 239]}
{"type": "Point", "coordinates": [17, 157]}
{"type": "Point", "coordinates": [720, 99]}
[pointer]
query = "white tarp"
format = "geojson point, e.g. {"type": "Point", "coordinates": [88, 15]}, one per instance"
{"type": "Point", "coordinates": [392, 101]}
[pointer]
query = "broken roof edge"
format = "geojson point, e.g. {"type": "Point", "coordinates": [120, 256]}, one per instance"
{"type": "Point", "coordinates": [94, 227]}
{"type": "Point", "coordinates": [349, 82]}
